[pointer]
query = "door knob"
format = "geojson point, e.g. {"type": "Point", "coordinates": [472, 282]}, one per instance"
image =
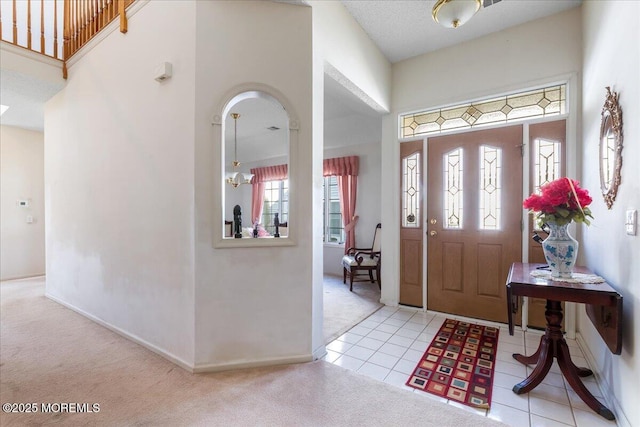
{"type": "Point", "coordinates": [433, 233]}
{"type": "Point", "coordinates": [432, 221]}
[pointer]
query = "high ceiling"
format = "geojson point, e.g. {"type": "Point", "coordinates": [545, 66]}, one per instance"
{"type": "Point", "coordinates": [404, 28]}
{"type": "Point", "coordinates": [400, 28]}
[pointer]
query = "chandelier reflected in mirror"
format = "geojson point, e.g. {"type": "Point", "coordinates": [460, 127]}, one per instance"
{"type": "Point", "coordinates": [234, 177]}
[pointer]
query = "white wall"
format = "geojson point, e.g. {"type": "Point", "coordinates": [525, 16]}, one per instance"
{"type": "Point", "coordinates": [611, 52]}
{"type": "Point", "coordinates": [508, 60]}
{"type": "Point", "coordinates": [368, 203]}
{"type": "Point", "coordinates": [133, 182]}
{"type": "Point", "coordinates": [119, 167]}
{"type": "Point", "coordinates": [353, 59]}
{"type": "Point", "coordinates": [21, 178]}
{"type": "Point", "coordinates": [253, 305]}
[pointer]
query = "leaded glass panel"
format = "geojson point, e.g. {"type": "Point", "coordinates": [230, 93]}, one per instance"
{"type": "Point", "coordinates": [531, 104]}
{"type": "Point", "coordinates": [546, 164]}
{"type": "Point", "coordinates": [453, 176]}
{"type": "Point", "coordinates": [546, 157]}
{"type": "Point", "coordinates": [411, 191]}
{"type": "Point", "coordinates": [490, 187]}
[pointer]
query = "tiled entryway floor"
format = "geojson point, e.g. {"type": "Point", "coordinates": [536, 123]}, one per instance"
{"type": "Point", "coordinates": [388, 344]}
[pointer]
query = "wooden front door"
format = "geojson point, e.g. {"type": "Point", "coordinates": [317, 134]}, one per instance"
{"type": "Point", "coordinates": [474, 220]}
{"type": "Point", "coordinates": [411, 219]}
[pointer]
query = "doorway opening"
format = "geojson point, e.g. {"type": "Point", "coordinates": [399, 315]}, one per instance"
{"type": "Point", "coordinates": [351, 128]}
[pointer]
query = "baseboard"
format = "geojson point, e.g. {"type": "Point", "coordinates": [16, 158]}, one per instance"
{"type": "Point", "coordinates": [389, 303]}
{"type": "Point", "coordinates": [217, 367]}
{"type": "Point", "coordinates": [319, 352]}
{"type": "Point", "coordinates": [160, 352]}
{"type": "Point", "coordinates": [19, 278]}
{"type": "Point", "coordinates": [609, 398]}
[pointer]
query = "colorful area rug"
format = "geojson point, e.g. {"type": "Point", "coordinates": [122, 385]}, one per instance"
{"type": "Point", "coordinates": [459, 364]}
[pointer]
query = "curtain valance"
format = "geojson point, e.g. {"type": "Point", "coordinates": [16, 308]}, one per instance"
{"type": "Point", "coordinates": [341, 166]}
{"type": "Point", "coordinates": [270, 173]}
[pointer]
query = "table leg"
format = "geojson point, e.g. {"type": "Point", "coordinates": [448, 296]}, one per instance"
{"type": "Point", "coordinates": [543, 357]}
{"type": "Point", "coordinates": [581, 372]}
{"type": "Point", "coordinates": [571, 372]}
{"type": "Point", "coordinates": [529, 360]}
{"type": "Point", "coordinates": [553, 344]}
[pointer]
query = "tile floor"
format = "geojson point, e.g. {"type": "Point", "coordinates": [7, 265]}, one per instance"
{"type": "Point", "coordinates": [388, 344]}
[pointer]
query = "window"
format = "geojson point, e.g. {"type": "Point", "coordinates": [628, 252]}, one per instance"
{"type": "Point", "coordinates": [548, 101]}
{"type": "Point", "coordinates": [332, 216]}
{"type": "Point", "coordinates": [490, 187]}
{"type": "Point", "coordinates": [453, 176]}
{"type": "Point", "coordinates": [546, 165]}
{"type": "Point", "coordinates": [546, 160]}
{"type": "Point", "coordinates": [276, 200]}
{"type": "Point", "coordinates": [411, 191]}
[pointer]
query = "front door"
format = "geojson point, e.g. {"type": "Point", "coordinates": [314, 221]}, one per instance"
{"type": "Point", "coordinates": [474, 220]}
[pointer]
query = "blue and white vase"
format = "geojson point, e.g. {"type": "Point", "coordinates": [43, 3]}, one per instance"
{"type": "Point", "coordinates": [560, 251]}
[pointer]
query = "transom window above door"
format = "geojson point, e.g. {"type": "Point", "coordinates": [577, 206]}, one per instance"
{"type": "Point", "coordinates": [544, 102]}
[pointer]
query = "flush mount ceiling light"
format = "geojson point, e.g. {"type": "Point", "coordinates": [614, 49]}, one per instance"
{"type": "Point", "coordinates": [235, 178]}
{"type": "Point", "coordinates": [454, 13]}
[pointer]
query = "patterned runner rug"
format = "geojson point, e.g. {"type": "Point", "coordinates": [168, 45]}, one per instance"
{"type": "Point", "coordinates": [459, 364]}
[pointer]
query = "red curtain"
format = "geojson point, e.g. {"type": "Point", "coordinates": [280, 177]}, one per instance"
{"type": "Point", "coordinates": [260, 176]}
{"type": "Point", "coordinates": [346, 169]}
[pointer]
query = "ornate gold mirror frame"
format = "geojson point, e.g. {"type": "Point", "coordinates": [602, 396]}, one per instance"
{"type": "Point", "coordinates": [610, 148]}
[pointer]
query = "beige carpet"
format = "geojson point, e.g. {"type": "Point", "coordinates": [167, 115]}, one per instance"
{"type": "Point", "coordinates": [343, 309]}
{"type": "Point", "coordinates": [50, 354]}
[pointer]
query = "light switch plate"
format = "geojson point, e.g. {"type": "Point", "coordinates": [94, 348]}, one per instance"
{"type": "Point", "coordinates": [630, 223]}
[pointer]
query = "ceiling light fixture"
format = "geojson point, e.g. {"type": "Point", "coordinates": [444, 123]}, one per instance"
{"type": "Point", "coordinates": [235, 178]}
{"type": "Point", "coordinates": [454, 13]}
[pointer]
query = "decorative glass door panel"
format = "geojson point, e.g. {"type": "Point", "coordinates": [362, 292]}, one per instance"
{"type": "Point", "coordinates": [411, 190]}
{"type": "Point", "coordinates": [453, 179]}
{"type": "Point", "coordinates": [546, 164]}
{"type": "Point", "coordinates": [546, 161]}
{"type": "Point", "coordinates": [490, 187]}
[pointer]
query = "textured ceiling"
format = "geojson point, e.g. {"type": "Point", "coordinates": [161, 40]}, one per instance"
{"type": "Point", "coordinates": [25, 96]}
{"type": "Point", "coordinates": [404, 28]}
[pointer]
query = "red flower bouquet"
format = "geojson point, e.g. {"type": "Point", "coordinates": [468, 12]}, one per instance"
{"type": "Point", "coordinates": [560, 201]}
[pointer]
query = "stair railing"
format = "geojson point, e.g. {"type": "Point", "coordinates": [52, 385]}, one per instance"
{"type": "Point", "coordinates": [77, 20]}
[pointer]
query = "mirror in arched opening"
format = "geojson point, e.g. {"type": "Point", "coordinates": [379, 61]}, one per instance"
{"type": "Point", "coordinates": [610, 148]}
{"type": "Point", "coordinates": [256, 167]}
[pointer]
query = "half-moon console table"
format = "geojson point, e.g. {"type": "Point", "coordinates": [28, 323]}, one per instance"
{"type": "Point", "coordinates": [604, 308]}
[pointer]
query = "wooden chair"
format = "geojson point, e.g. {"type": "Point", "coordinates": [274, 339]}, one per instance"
{"type": "Point", "coordinates": [363, 261]}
